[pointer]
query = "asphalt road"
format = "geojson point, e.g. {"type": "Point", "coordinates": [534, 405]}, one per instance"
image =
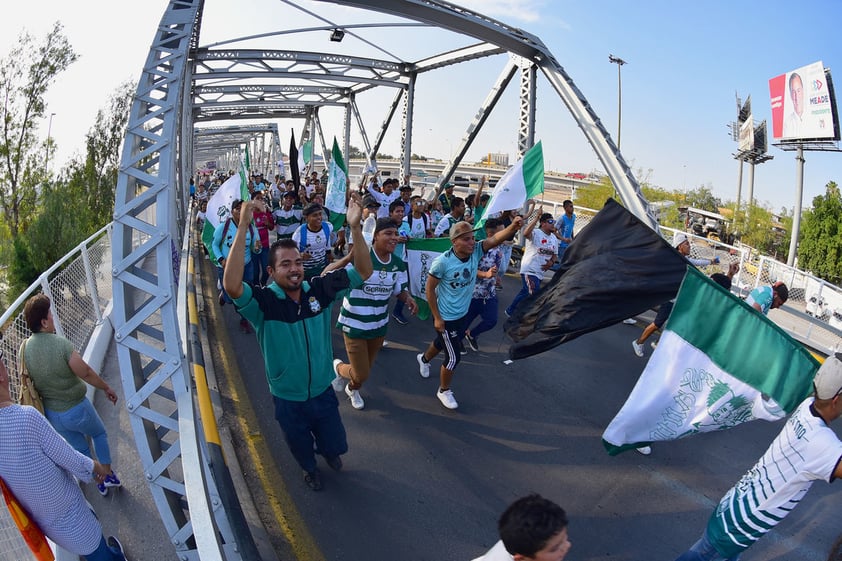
{"type": "Point", "coordinates": [424, 483]}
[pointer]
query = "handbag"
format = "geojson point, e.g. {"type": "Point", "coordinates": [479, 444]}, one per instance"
{"type": "Point", "coordinates": [28, 394]}
{"type": "Point", "coordinates": [29, 530]}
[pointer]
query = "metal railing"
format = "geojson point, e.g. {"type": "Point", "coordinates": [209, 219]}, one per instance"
{"type": "Point", "coordinates": [79, 287]}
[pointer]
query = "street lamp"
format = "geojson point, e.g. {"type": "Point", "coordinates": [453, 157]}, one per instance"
{"type": "Point", "coordinates": [619, 62]}
{"type": "Point", "coordinates": [49, 132]}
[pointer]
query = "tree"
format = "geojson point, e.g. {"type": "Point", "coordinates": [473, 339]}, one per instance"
{"type": "Point", "coordinates": [820, 250]}
{"type": "Point", "coordinates": [593, 196]}
{"type": "Point", "coordinates": [26, 74]}
{"type": "Point", "coordinates": [703, 198]}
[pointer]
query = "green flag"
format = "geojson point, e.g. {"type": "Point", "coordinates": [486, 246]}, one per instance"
{"type": "Point", "coordinates": [336, 195]}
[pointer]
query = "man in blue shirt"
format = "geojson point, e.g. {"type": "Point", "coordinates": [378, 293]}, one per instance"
{"type": "Point", "coordinates": [450, 285]}
{"type": "Point", "coordinates": [765, 298]}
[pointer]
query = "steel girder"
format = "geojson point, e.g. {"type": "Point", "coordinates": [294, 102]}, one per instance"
{"type": "Point", "coordinates": [516, 41]}
{"type": "Point", "coordinates": [528, 102]}
{"type": "Point", "coordinates": [149, 323]}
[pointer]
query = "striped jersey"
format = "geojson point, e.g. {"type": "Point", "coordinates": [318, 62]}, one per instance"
{"type": "Point", "coordinates": [287, 221]}
{"type": "Point", "coordinates": [365, 310]}
{"type": "Point", "coordinates": [805, 450]}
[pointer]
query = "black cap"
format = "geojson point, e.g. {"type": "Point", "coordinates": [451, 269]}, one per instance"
{"type": "Point", "coordinates": [385, 224]}
{"type": "Point", "coordinates": [311, 208]}
{"type": "Point", "coordinates": [369, 201]}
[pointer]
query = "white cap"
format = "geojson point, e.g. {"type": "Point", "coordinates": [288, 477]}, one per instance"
{"type": "Point", "coordinates": [828, 380]}
{"type": "Point", "coordinates": [679, 238]}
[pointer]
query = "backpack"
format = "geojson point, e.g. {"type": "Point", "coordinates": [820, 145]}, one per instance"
{"type": "Point", "coordinates": [228, 224]}
{"type": "Point", "coordinates": [303, 243]}
{"type": "Point", "coordinates": [423, 216]}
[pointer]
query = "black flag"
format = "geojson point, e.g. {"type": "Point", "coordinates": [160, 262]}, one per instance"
{"type": "Point", "coordinates": [293, 163]}
{"type": "Point", "coordinates": [616, 268]}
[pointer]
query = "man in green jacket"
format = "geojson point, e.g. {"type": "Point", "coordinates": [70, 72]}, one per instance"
{"type": "Point", "coordinates": [292, 318]}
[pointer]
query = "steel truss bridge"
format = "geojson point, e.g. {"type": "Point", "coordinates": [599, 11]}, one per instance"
{"type": "Point", "coordinates": [187, 97]}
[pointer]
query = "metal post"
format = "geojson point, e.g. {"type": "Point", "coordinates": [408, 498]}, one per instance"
{"type": "Point", "coordinates": [799, 194]}
{"type": "Point", "coordinates": [750, 198]}
{"type": "Point", "coordinates": [619, 62]}
{"type": "Point", "coordinates": [739, 192]}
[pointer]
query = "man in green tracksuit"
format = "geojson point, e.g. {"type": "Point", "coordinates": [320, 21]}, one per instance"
{"type": "Point", "coordinates": [292, 318]}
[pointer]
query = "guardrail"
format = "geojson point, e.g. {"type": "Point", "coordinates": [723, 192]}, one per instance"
{"type": "Point", "coordinates": [79, 287]}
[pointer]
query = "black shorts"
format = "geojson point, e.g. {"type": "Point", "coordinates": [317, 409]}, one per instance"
{"type": "Point", "coordinates": [448, 341]}
{"type": "Point", "coordinates": [663, 314]}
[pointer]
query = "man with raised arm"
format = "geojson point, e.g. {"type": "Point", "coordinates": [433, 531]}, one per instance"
{"type": "Point", "coordinates": [292, 318]}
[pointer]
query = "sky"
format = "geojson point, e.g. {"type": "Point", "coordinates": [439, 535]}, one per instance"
{"type": "Point", "coordinates": [686, 61]}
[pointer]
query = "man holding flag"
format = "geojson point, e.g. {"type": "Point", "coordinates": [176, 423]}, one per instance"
{"type": "Point", "coordinates": [806, 450]}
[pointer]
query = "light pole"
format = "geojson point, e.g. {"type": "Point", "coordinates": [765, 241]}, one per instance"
{"type": "Point", "coordinates": [619, 62]}
{"type": "Point", "coordinates": [49, 132]}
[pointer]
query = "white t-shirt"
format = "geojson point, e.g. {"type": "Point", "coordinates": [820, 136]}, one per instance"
{"type": "Point", "coordinates": [539, 249]}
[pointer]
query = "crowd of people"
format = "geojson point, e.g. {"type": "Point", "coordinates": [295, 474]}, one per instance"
{"type": "Point", "coordinates": [308, 270]}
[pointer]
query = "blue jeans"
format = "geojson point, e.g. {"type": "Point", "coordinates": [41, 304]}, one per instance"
{"type": "Point", "coordinates": [104, 553]}
{"type": "Point", "coordinates": [486, 309]}
{"type": "Point", "coordinates": [247, 270]}
{"type": "Point", "coordinates": [703, 550]}
{"type": "Point", "coordinates": [506, 250]}
{"type": "Point", "coordinates": [78, 423]}
{"type": "Point", "coordinates": [316, 421]}
{"type": "Point", "coordinates": [260, 261]}
{"type": "Point", "coordinates": [531, 285]}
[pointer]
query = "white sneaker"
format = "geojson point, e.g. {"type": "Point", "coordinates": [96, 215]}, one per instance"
{"type": "Point", "coordinates": [355, 397]}
{"type": "Point", "coordinates": [630, 321]}
{"type": "Point", "coordinates": [447, 399]}
{"type": "Point", "coordinates": [638, 348]}
{"type": "Point", "coordinates": [645, 450]}
{"type": "Point", "coordinates": [339, 382]}
{"type": "Point", "coordinates": [423, 367]}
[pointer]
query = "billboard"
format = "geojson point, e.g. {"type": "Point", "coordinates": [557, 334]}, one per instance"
{"type": "Point", "coordinates": [747, 136]}
{"type": "Point", "coordinates": [803, 107]}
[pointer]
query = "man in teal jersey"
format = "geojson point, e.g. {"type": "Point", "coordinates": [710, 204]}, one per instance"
{"type": "Point", "coordinates": [450, 284]}
{"type": "Point", "coordinates": [292, 318]}
{"type": "Point", "coordinates": [365, 311]}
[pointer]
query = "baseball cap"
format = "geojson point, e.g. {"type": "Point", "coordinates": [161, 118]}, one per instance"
{"type": "Point", "coordinates": [368, 201]}
{"type": "Point", "coordinates": [288, 194]}
{"type": "Point", "coordinates": [828, 380]}
{"type": "Point", "coordinates": [460, 229]}
{"type": "Point", "coordinates": [448, 185]}
{"type": "Point", "coordinates": [679, 238]}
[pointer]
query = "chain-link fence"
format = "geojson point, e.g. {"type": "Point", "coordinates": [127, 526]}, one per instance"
{"type": "Point", "coordinates": [79, 287]}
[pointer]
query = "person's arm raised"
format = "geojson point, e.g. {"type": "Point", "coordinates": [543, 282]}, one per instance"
{"type": "Point", "coordinates": [232, 278]}
{"type": "Point", "coordinates": [503, 235]}
{"type": "Point", "coordinates": [362, 254]}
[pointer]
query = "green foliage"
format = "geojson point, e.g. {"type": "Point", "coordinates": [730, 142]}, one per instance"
{"type": "Point", "coordinates": [820, 250]}
{"type": "Point", "coordinates": [21, 272]}
{"type": "Point", "coordinates": [703, 198]}
{"type": "Point", "coordinates": [594, 195]}
{"type": "Point", "coordinates": [26, 74]}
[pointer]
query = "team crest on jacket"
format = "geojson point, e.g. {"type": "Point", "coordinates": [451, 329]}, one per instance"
{"type": "Point", "coordinates": [315, 307]}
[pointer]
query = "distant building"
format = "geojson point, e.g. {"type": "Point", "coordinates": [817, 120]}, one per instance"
{"type": "Point", "coordinates": [497, 159]}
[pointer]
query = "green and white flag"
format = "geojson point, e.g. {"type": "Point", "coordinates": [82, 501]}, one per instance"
{"type": "Point", "coordinates": [523, 181]}
{"type": "Point", "coordinates": [336, 195]}
{"type": "Point", "coordinates": [719, 363]}
{"type": "Point", "coordinates": [305, 156]}
{"type": "Point", "coordinates": [219, 209]}
{"type": "Point", "coordinates": [419, 257]}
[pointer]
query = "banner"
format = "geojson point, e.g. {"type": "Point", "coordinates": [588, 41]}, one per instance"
{"type": "Point", "coordinates": [523, 181]}
{"type": "Point", "coordinates": [419, 257]}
